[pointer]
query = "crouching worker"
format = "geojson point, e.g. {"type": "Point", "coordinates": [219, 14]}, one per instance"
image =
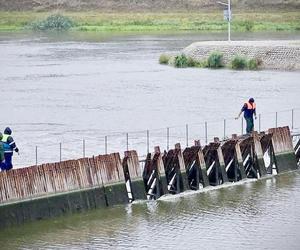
{"type": "Point", "coordinates": [9, 146]}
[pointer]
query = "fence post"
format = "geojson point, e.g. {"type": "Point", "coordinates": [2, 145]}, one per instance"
{"type": "Point", "coordinates": [224, 129]}
{"type": "Point", "coordinates": [60, 152]}
{"type": "Point", "coordinates": [127, 141]}
{"type": "Point", "coordinates": [105, 144]}
{"type": "Point", "coordinates": [259, 122]}
{"type": "Point", "coordinates": [292, 118]}
{"type": "Point", "coordinates": [168, 138]}
{"type": "Point", "coordinates": [206, 139]}
{"type": "Point", "coordinates": [36, 155]}
{"type": "Point", "coordinates": [276, 120]}
{"type": "Point", "coordinates": [242, 126]}
{"type": "Point", "coordinates": [187, 134]}
{"type": "Point", "coordinates": [83, 148]}
{"type": "Point", "coordinates": [148, 141]}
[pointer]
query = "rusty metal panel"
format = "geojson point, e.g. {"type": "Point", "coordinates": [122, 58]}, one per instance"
{"type": "Point", "coordinates": [118, 163]}
{"type": "Point", "coordinates": [180, 157]}
{"type": "Point", "coordinates": [133, 164]}
{"type": "Point", "coordinates": [285, 158]}
{"type": "Point", "coordinates": [281, 140]}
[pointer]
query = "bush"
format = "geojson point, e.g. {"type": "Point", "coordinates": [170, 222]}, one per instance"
{"type": "Point", "coordinates": [239, 62]}
{"type": "Point", "coordinates": [181, 61]}
{"type": "Point", "coordinates": [164, 59]}
{"type": "Point", "coordinates": [192, 62]}
{"type": "Point", "coordinates": [215, 60]}
{"type": "Point", "coordinates": [248, 25]}
{"type": "Point", "coordinates": [53, 22]}
{"type": "Point", "coordinates": [252, 64]}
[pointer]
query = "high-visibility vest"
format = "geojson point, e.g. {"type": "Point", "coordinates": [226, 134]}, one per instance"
{"type": "Point", "coordinates": [251, 106]}
{"type": "Point", "coordinates": [6, 146]}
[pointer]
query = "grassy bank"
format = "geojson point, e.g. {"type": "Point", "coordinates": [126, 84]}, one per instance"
{"type": "Point", "coordinates": [94, 21]}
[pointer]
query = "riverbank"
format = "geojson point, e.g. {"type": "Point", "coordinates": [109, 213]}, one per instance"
{"type": "Point", "coordinates": [274, 55]}
{"type": "Point", "coordinates": [183, 21]}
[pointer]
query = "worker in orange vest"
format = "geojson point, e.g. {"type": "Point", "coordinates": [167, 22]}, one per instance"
{"type": "Point", "coordinates": [249, 110]}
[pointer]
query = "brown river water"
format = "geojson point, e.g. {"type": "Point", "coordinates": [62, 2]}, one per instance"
{"type": "Point", "coordinates": [66, 88]}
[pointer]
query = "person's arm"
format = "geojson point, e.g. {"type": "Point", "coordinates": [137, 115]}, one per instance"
{"type": "Point", "coordinates": [239, 115]}
{"type": "Point", "coordinates": [242, 110]}
{"type": "Point", "coordinates": [12, 144]}
{"type": "Point", "coordinates": [1, 152]}
{"type": "Point", "coordinates": [255, 114]}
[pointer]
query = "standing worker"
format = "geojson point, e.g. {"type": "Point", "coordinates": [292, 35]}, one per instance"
{"type": "Point", "coordinates": [9, 146]}
{"type": "Point", "coordinates": [2, 162]}
{"type": "Point", "coordinates": [249, 110]}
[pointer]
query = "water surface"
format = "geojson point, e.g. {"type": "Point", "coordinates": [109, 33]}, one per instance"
{"type": "Point", "coordinates": [66, 88]}
{"type": "Point", "coordinates": [254, 215]}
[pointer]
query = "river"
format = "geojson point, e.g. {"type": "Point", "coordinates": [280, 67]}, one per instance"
{"type": "Point", "coordinates": [66, 88]}
{"type": "Point", "coordinates": [263, 214]}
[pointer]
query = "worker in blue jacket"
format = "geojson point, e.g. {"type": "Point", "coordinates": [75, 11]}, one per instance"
{"type": "Point", "coordinates": [9, 147]}
{"type": "Point", "coordinates": [2, 162]}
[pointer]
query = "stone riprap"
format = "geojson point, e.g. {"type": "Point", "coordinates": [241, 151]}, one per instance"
{"type": "Point", "coordinates": [275, 55]}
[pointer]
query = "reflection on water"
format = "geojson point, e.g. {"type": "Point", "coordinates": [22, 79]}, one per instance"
{"type": "Point", "coordinates": [254, 215]}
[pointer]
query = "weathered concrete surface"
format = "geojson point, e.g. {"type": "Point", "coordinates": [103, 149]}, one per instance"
{"type": "Point", "coordinates": [275, 55]}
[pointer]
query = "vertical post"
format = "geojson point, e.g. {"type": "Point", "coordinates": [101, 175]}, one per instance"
{"type": "Point", "coordinates": [36, 155]}
{"type": "Point", "coordinates": [60, 152]}
{"type": "Point", "coordinates": [242, 126]}
{"type": "Point", "coordinates": [187, 134]}
{"type": "Point", "coordinates": [224, 128]}
{"type": "Point", "coordinates": [206, 139]}
{"type": "Point", "coordinates": [276, 120]}
{"type": "Point", "coordinates": [105, 142]}
{"type": "Point", "coordinates": [127, 141]}
{"type": "Point", "coordinates": [229, 20]}
{"type": "Point", "coordinates": [83, 148]}
{"type": "Point", "coordinates": [259, 122]}
{"type": "Point", "coordinates": [168, 138]}
{"type": "Point", "coordinates": [147, 141]}
{"type": "Point", "coordinates": [292, 118]}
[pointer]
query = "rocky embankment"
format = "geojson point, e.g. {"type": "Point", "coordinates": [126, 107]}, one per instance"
{"type": "Point", "coordinates": [275, 55]}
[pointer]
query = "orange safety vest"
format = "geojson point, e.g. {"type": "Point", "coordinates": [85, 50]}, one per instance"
{"type": "Point", "coordinates": [249, 106]}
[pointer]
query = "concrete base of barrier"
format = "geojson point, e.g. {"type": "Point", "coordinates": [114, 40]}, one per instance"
{"type": "Point", "coordinates": [60, 204]}
{"type": "Point", "coordinates": [286, 162]}
{"type": "Point", "coordinates": [138, 189]}
{"type": "Point", "coordinates": [185, 182]}
{"type": "Point", "coordinates": [116, 194]}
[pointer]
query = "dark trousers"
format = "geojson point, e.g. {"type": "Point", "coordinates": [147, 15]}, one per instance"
{"type": "Point", "coordinates": [7, 164]}
{"type": "Point", "coordinates": [249, 124]}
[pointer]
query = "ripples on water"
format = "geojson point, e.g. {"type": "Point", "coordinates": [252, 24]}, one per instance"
{"type": "Point", "coordinates": [263, 214]}
{"type": "Point", "coordinates": [94, 85]}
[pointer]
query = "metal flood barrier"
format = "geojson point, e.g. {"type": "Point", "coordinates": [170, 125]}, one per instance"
{"type": "Point", "coordinates": [54, 189]}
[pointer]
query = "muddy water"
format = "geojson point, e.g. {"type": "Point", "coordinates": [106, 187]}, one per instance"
{"type": "Point", "coordinates": [66, 88]}
{"type": "Point", "coordinates": [255, 215]}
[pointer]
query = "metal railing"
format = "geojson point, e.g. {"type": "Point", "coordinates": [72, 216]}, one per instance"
{"type": "Point", "coordinates": [144, 141]}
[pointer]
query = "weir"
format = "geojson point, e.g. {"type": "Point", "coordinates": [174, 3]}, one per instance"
{"type": "Point", "coordinates": [55, 189]}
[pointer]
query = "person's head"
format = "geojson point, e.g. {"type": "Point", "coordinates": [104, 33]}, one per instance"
{"type": "Point", "coordinates": [1, 136]}
{"type": "Point", "coordinates": [7, 131]}
{"type": "Point", "coordinates": [251, 100]}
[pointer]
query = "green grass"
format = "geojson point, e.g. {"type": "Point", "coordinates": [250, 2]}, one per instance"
{"type": "Point", "coordinates": [215, 60]}
{"type": "Point", "coordinates": [164, 59]}
{"type": "Point", "coordinates": [98, 22]}
{"type": "Point", "coordinates": [238, 62]}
